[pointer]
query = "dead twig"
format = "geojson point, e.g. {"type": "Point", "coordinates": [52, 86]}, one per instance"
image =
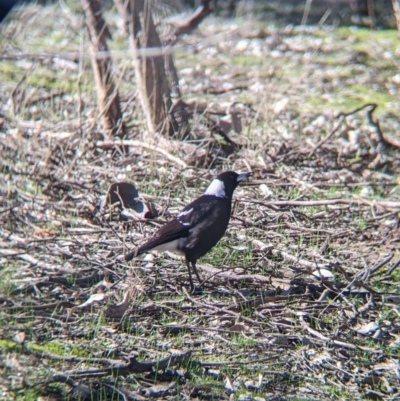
{"type": "Point", "coordinates": [327, 202]}
{"type": "Point", "coordinates": [188, 25]}
{"type": "Point", "coordinates": [338, 343]}
{"type": "Point", "coordinates": [382, 139]}
{"type": "Point", "coordinates": [342, 117]}
{"type": "Point", "coordinates": [133, 366]}
{"type": "Point", "coordinates": [139, 144]}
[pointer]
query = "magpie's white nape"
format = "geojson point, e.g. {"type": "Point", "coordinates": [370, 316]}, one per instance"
{"type": "Point", "coordinates": [199, 226]}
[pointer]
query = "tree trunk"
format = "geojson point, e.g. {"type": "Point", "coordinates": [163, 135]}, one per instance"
{"type": "Point", "coordinates": [396, 10]}
{"type": "Point", "coordinates": [107, 92]}
{"type": "Point", "coordinates": [150, 70]}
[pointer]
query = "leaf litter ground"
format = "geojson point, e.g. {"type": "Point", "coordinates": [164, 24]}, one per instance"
{"type": "Point", "coordinates": [301, 296]}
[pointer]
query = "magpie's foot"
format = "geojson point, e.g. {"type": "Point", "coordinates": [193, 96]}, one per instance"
{"type": "Point", "coordinates": [196, 290]}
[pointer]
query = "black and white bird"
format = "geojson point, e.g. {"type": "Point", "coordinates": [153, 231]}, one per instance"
{"type": "Point", "coordinates": [199, 226]}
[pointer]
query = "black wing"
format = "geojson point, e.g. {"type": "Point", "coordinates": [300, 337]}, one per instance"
{"type": "Point", "coordinates": [185, 222]}
{"type": "Point", "coordinates": [167, 233]}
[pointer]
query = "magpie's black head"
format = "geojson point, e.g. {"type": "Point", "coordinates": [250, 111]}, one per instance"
{"type": "Point", "coordinates": [225, 183]}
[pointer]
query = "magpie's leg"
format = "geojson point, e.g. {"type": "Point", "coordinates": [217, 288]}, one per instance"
{"type": "Point", "coordinates": [192, 287]}
{"type": "Point", "coordinates": [197, 273]}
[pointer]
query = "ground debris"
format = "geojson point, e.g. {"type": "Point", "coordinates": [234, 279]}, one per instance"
{"type": "Point", "coordinates": [300, 297]}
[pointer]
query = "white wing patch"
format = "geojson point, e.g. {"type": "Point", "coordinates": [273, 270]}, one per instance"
{"type": "Point", "coordinates": [216, 188]}
{"type": "Point", "coordinates": [184, 213]}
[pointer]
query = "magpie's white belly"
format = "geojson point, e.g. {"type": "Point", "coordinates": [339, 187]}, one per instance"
{"type": "Point", "coordinates": [173, 246]}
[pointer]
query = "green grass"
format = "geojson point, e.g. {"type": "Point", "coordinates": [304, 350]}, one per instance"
{"type": "Point", "coordinates": [245, 60]}
{"type": "Point", "coordinates": [10, 72]}
{"type": "Point", "coordinates": [58, 348]}
{"type": "Point", "coordinates": [9, 345]}
{"type": "Point", "coordinates": [6, 282]}
{"type": "Point", "coordinates": [361, 224]}
{"type": "Point", "coordinates": [388, 36]}
{"type": "Point", "coordinates": [28, 395]}
{"type": "Point", "coordinates": [221, 254]}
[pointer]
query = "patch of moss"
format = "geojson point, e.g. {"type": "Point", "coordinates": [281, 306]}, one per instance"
{"type": "Point", "coordinates": [48, 79]}
{"type": "Point", "coordinates": [352, 97]}
{"type": "Point", "coordinates": [365, 94]}
{"type": "Point", "coordinates": [247, 60]}
{"type": "Point", "coordinates": [57, 348]}
{"type": "Point", "coordinates": [9, 71]}
{"type": "Point", "coordinates": [365, 34]}
{"type": "Point", "coordinates": [8, 344]}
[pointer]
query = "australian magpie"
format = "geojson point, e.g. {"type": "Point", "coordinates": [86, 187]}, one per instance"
{"type": "Point", "coordinates": [199, 226]}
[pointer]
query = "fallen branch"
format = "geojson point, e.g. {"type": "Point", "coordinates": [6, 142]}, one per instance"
{"type": "Point", "coordinates": [329, 136]}
{"type": "Point", "coordinates": [375, 122]}
{"type": "Point", "coordinates": [139, 144]}
{"type": "Point", "coordinates": [372, 106]}
{"type": "Point", "coordinates": [327, 202]}
{"type": "Point", "coordinates": [30, 259]}
{"type": "Point", "coordinates": [336, 342]}
{"type": "Point", "coordinates": [133, 366]}
{"type": "Point", "coordinates": [188, 25]}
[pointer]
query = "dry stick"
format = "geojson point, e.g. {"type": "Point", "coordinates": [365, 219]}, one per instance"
{"type": "Point", "coordinates": [30, 259]}
{"type": "Point", "coordinates": [79, 80]}
{"type": "Point", "coordinates": [133, 366]}
{"type": "Point", "coordinates": [349, 285]}
{"type": "Point", "coordinates": [139, 144]}
{"type": "Point", "coordinates": [342, 116]}
{"type": "Point", "coordinates": [7, 209]}
{"type": "Point", "coordinates": [335, 342]}
{"type": "Point", "coordinates": [306, 12]}
{"type": "Point", "coordinates": [329, 136]}
{"type": "Point", "coordinates": [327, 13]}
{"type": "Point", "coordinates": [224, 310]}
{"type": "Point", "coordinates": [188, 25]}
{"type": "Point", "coordinates": [16, 87]}
{"type": "Point", "coordinates": [393, 267]}
{"type": "Point", "coordinates": [326, 202]}
{"type": "Point", "coordinates": [68, 358]}
{"type": "Point", "coordinates": [53, 305]}
{"type": "Point", "coordinates": [117, 54]}
{"type": "Point", "coordinates": [231, 276]}
{"type": "Point", "coordinates": [381, 263]}
{"type": "Point", "coordinates": [234, 363]}
{"type": "Point", "coordinates": [45, 97]}
{"type": "Point", "coordinates": [381, 138]}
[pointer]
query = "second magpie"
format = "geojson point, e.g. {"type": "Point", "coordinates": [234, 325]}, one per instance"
{"type": "Point", "coordinates": [199, 226]}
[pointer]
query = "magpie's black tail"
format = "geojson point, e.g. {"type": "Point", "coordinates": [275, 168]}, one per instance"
{"type": "Point", "coordinates": [129, 256]}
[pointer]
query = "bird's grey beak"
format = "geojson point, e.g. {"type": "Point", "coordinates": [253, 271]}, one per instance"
{"type": "Point", "coordinates": [243, 176]}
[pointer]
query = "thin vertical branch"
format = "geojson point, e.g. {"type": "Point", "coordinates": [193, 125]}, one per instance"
{"type": "Point", "coordinates": [306, 12]}
{"type": "Point", "coordinates": [371, 13]}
